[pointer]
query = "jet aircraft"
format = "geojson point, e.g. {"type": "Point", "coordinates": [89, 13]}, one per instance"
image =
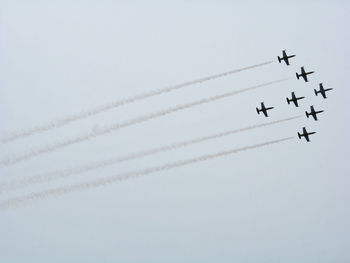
{"type": "Point", "coordinates": [313, 113]}
{"type": "Point", "coordinates": [304, 74]}
{"type": "Point", "coordinates": [285, 57]}
{"type": "Point", "coordinates": [305, 134]}
{"type": "Point", "coordinates": [264, 109]}
{"type": "Point", "coordinates": [322, 91]}
{"type": "Point", "coordinates": [294, 99]}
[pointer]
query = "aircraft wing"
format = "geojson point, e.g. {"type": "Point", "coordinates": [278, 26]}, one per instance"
{"type": "Point", "coordinates": [294, 99]}
{"type": "Point", "coordinates": [265, 112]}
{"type": "Point", "coordinates": [305, 134]}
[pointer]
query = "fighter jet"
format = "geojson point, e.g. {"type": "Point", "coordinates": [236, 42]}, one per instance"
{"type": "Point", "coordinates": [304, 74]}
{"type": "Point", "coordinates": [305, 134]}
{"type": "Point", "coordinates": [264, 109]}
{"type": "Point", "coordinates": [313, 113]}
{"type": "Point", "coordinates": [294, 99]}
{"type": "Point", "coordinates": [285, 57]}
{"type": "Point", "coordinates": [322, 91]}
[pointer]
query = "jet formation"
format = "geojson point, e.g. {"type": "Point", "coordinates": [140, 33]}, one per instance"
{"type": "Point", "coordinates": [302, 75]}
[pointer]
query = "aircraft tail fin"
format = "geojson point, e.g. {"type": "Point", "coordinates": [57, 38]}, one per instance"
{"type": "Point", "coordinates": [299, 135]}
{"type": "Point", "coordinates": [279, 59]}
{"type": "Point", "coordinates": [257, 110]}
{"type": "Point", "coordinates": [307, 114]}
{"type": "Point", "coordinates": [297, 75]}
{"type": "Point", "coordinates": [288, 100]}
{"type": "Point", "coordinates": [316, 92]}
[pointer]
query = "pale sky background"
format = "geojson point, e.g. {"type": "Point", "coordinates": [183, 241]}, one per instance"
{"type": "Point", "coordinates": [283, 203]}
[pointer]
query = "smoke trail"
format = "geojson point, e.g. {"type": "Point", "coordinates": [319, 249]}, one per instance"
{"type": "Point", "coordinates": [53, 124]}
{"type": "Point", "coordinates": [13, 202]}
{"type": "Point", "coordinates": [13, 185]}
{"type": "Point", "coordinates": [50, 148]}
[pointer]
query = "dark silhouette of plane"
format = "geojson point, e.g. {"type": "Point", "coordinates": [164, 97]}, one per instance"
{"type": "Point", "coordinates": [304, 74]}
{"type": "Point", "coordinates": [313, 113]}
{"type": "Point", "coordinates": [294, 99]}
{"type": "Point", "coordinates": [264, 109]}
{"type": "Point", "coordinates": [305, 134]}
{"type": "Point", "coordinates": [322, 91]}
{"type": "Point", "coordinates": [285, 57]}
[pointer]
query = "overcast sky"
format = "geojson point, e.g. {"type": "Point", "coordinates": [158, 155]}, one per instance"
{"type": "Point", "coordinates": [286, 202]}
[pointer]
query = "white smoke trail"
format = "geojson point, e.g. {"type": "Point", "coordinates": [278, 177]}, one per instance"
{"type": "Point", "coordinates": [53, 124]}
{"type": "Point", "coordinates": [50, 148]}
{"type": "Point", "coordinates": [44, 178]}
{"type": "Point", "coordinates": [14, 202]}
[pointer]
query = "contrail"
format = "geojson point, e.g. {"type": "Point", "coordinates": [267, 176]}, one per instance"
{"type": "Point", "coordinates": [14, 202]}
{"type": "Point", "coordinates": [13, 185]}
{"type": "Point", "coordinates": [53, 124]}
{"type": "Point", "coordinates": [50, 148]}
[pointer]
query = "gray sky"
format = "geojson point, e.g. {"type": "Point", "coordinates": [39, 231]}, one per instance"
{"type": "Point", "coordinates": [285, 202]}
